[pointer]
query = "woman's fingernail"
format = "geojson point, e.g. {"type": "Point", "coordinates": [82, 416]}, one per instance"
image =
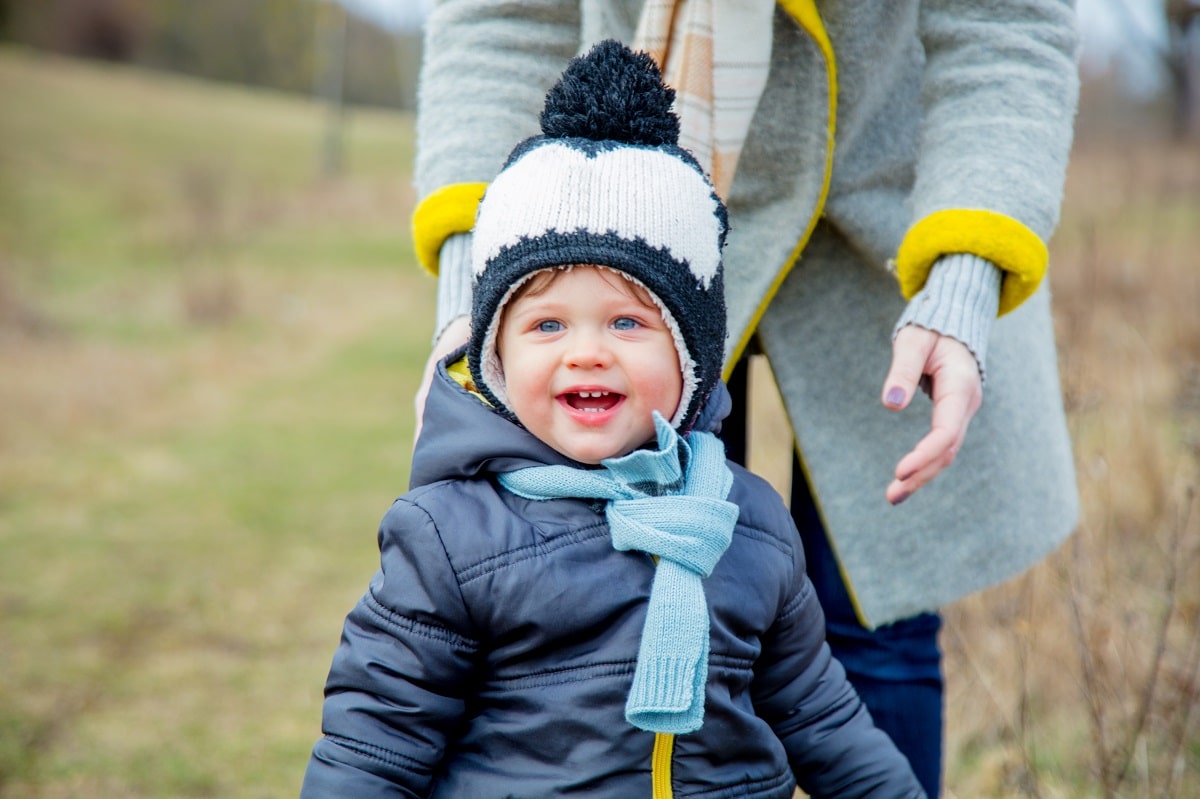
{"type": "Point", "coordinates": [903, 495]}
{"type": "Point", "coordinates": [895, 396]}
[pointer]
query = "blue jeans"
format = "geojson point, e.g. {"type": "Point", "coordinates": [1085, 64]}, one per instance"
{"type": "Point", "coordinates": [896, 669]}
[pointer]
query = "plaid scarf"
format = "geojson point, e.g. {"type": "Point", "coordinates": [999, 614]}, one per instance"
{"type": "Point", "coordinates": [716, 55]}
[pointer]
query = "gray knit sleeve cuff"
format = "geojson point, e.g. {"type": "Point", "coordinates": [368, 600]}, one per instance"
{"type": "Point", "coordinates": [960, 300]}
{"type": "Point", "coordinates": [454, 282]}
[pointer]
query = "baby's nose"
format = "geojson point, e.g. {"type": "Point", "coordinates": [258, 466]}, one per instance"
{"type": "Point", "coordinates": [588, 350]}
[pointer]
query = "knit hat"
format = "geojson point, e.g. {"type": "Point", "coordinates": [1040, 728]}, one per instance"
{"type": "Point", "coordinates": [606, 184]}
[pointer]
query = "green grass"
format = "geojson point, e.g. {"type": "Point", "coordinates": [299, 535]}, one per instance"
{"type": "Point", "coordinates": [207, 358]}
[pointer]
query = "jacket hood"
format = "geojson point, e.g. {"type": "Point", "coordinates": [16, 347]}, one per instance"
{"type": "Point", "coordinates": [462, 437]}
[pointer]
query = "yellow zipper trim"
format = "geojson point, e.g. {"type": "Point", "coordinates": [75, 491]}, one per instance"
{"type": "Point", "coordinates": [660, 765]}
{"type": "Point", "coordinates": [812, 492]}
{"type": "Point", "coordinates": [804, 12]}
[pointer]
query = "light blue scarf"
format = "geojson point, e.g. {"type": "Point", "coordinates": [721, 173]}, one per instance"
{"type": "Point", "coordinates": [671, 504]}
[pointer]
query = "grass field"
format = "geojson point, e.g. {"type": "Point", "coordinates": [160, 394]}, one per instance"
{"type": "Point", "coordinates": [207, 357]}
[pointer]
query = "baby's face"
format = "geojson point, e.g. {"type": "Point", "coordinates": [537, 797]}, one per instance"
{"type": "Point", "coordinates": [586, 361]}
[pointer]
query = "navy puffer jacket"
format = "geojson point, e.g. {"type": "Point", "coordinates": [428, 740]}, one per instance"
{"type": "Point", "coordinates": [493, 652]}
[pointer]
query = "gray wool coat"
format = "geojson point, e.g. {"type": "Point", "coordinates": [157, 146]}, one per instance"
{"type": "Point", "coordinates": [888, 134]}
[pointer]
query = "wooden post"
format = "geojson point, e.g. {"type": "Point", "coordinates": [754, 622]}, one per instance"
{"type": "Point", "coordinates": [331, 49]}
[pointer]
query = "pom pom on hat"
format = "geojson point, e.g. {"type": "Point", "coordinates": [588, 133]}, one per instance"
{"type": "Point", "coordinates": [606, 184]}
{"type": "Point", "coordinates": [612, 94]}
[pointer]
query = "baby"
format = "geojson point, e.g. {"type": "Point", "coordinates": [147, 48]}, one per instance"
{"type": "Point", "coordinates": [579, 596]}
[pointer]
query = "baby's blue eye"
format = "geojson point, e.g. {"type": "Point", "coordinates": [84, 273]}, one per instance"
{"type": "Point", "coordinates": [625, 323]}
{"type": "Point", "coordinates": [549, 326]}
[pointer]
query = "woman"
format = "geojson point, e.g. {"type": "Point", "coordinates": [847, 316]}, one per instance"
{"type": "Point", "coordinates": [899, 168]}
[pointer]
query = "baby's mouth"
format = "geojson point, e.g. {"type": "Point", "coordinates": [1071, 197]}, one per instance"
{"type": "Point", "coordinates": [591, 401]}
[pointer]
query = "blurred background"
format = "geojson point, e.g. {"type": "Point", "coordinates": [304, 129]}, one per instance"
{"type": "Point", "coordinates": [212, 325]}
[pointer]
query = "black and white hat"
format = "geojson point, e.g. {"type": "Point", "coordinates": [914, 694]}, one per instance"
{"type": "Point", "coordinates": [606, 184]}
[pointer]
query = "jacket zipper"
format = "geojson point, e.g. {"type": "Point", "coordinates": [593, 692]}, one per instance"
{"type": "Point", "coordinates": [660, 765]}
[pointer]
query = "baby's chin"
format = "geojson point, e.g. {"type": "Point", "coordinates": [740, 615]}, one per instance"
{"type": "Point", "coordinates": [595, 458]}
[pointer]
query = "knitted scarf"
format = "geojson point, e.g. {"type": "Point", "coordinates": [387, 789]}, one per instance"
{"type": "Point", "coordinates": [716, 54]}
{"type": "Point", "coordinates": [670, 503]}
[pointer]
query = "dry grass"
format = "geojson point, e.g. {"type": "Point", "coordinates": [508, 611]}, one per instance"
{"type": "Point", "coordinates": [206, 363]}
{"type": "Point", "coordinates": [1080, 678]}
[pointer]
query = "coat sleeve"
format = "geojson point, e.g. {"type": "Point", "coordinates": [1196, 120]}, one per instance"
{"type": "Point", "coordinates": [834, 747]}
{"type": "Point", "coordinates": [999, 94]}
{"type": "Point", "coordinates": [485, 72]}
{"type": "Point", "coordinates": [400, 679]}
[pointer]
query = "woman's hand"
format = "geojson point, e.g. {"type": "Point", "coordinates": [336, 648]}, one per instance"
{"type": "Point", "coordinates": [950, 374]}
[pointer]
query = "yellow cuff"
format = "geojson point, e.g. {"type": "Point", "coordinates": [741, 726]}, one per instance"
{"type": "Point", "coordinates": [449, 210]}
{"type": "Point", "coordinates": [1004, 241]}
